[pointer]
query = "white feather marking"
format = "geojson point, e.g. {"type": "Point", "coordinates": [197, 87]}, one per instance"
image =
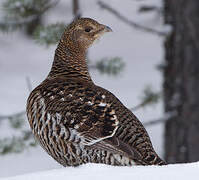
{"type": "Point", "coordinates": [103, 96]}
{"type": "Point", "coordinates": [52, 97]}
{"type": "Point", "coordinates": [100, 139]}
{"type": "Point", "coordinates": [72, 121]}
{"type": "Point", "coordinates": [54, 123]}
{"type": "Point", "coordinates": [48, 116]}
{"type": "Point", "coordinates": [89, 103]}
{"type": "Point", "coordinates": [61, 92]}
{"type": "Point", "coordinates": [34, 109]}
{"type": "Point", "coordinates": [63, 130]}
{"type": "Point", "coordinates": [76, 126]}
{"type": "Point", "coordinates": [102, 104]}
{"type": "Point", "coordinates": [116, 122]}
{"type": "Point", "coordinates": [58, 116]}
{"type": "Point", "coordinates": [73, 134]}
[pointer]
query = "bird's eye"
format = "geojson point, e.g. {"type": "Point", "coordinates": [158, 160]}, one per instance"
{"type": "Point", "coordinates": [88, 29]}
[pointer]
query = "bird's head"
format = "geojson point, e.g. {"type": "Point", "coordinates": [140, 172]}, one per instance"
{"type": "Point", "coordinates": [85, 31]}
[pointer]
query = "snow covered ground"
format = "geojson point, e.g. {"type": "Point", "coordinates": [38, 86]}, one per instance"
{"type": "Point", "coordinates": [21, 57]}
{"type": "Point", "coordinates": [99, 172]}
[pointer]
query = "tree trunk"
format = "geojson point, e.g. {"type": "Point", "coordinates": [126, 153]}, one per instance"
{"type": "Point", "coordinates": [76, 9]}
{"type": "Point", "coordinates": [181, 81]}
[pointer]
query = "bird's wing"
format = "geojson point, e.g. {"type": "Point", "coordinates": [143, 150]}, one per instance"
{"type": "Point", "coordinates": [114, 127]}
{"type": "Point", "coordinates": [100, 120]}
{"type": "Point", "coordinates": [97, 123]}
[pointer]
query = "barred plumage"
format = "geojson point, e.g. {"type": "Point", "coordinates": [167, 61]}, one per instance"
{"type": "Point", "coordinates": [76, 121]}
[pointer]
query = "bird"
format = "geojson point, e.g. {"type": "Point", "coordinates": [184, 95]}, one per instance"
{"type": "Point", "coordinates": [78, 122]}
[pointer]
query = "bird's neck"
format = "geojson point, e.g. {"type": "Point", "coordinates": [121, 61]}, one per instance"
{"type": "Point", "coordinates": [69, 61]}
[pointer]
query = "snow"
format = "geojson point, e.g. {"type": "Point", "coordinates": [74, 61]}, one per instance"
{"type": "Point", "coordinates": [20, 57]}
{"type": "Point", "coordinates": [99, 172]}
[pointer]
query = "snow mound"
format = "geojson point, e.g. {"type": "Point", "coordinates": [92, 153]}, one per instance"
{"type": "Point", "coordinates": [102, 172]}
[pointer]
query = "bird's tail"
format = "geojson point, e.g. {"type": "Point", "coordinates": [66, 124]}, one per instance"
{"type": "Point", "coordinates": [155, 160]}
{"type": "Point", "coordinates": [152, 159]}
{"type": "Point", "coordinates": [159, 162]}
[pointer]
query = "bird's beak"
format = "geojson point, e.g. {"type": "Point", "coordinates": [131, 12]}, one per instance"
{"type": "Point", "coordinates": [106, 28]}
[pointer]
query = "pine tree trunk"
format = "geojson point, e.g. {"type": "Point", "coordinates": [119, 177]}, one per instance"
{"type": "Point", "coordinates": [76, 9]}
{"type": "Point", "coordinates": [181, 81]}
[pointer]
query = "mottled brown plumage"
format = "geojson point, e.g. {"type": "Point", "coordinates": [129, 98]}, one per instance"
{"type": "Point", "coordinates": [78, 122]}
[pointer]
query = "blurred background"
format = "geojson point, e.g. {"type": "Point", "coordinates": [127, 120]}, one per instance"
{"type": "Point", "coordinates": [150, 62]}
